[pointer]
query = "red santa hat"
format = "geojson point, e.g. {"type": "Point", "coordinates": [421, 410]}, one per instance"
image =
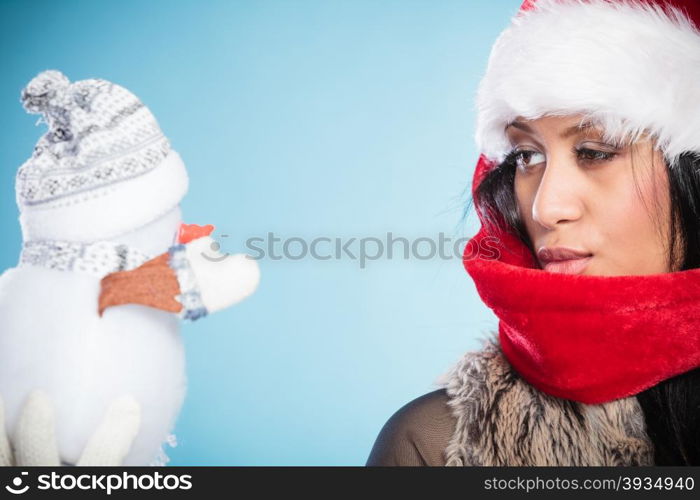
{"type": "Point", "coordinates": [628, 65]}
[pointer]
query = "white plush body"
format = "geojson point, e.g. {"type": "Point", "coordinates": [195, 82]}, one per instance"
{"type": "Point", "coordinates": [52, 338]}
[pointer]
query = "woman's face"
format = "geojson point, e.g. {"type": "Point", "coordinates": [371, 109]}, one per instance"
{"type": "Point", "coordinates": [575, 191]}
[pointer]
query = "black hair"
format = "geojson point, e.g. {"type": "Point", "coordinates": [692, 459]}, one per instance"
{"type": "Point", "coordinates": [672, 407]}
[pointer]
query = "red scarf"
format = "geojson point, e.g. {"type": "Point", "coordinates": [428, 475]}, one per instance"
{"type": "Point", "coordinates": [586, 338]}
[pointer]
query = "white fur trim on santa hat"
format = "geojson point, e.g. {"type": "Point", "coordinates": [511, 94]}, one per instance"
{"type": "Point", "coordinates": [629, 67]}
{"type": "Point", "coordinates": [111, 210]}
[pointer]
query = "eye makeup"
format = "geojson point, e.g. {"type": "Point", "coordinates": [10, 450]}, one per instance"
{"type": "Point", "coordinates": [520, 157]}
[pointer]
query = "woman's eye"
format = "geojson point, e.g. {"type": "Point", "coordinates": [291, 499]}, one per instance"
{"type": "Point", "coordinates": [593, 155]}
{"type": "Point", "coordinates": [526, 159]}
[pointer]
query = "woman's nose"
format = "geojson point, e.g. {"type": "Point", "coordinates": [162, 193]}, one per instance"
{"type": "Point", "coordinates": [559, 194]}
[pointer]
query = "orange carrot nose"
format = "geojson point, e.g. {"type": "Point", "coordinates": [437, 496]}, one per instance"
{"type": "Point", "coordinates": [189, 232]}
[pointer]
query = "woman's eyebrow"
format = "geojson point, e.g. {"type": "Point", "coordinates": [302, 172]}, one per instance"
{"type": "Point", "coordinates": [575, 129]}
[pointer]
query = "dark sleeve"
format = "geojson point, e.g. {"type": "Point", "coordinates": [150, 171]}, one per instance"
{"type": "Point", "coordinates": [416, 434]}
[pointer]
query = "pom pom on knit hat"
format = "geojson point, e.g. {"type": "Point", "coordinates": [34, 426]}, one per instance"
{"type": "Point", "coordinates": [40, 93]}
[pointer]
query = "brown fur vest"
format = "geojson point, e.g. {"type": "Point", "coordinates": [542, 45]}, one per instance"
{"type": "Point", "coordinates": [503, 420]}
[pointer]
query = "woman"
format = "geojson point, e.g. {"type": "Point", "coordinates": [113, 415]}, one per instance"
{"type": "Point", "coordinates": [588, 192]}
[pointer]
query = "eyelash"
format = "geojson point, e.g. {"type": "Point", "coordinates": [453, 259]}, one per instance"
{"type": "Point", "coordinates": [597, 156]}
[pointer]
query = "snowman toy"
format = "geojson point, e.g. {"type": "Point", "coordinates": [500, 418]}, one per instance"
{"type": "Point", "coordinates": [91, 353]}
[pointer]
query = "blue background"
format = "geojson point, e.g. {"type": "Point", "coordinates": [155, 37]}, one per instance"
{"type": "Point", "coordinates": [305, 119]}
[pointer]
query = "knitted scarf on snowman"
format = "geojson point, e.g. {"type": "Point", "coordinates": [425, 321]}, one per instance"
{"type": "Point", "coordinates": [630, 66]}
{"type": "Point", "coordinates": [128, 276]}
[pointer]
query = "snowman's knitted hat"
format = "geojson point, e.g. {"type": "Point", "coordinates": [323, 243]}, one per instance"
{"type": "Point", "coordinates": [103, 168]}
{"type": "Point", "coordinates": [630, 66]}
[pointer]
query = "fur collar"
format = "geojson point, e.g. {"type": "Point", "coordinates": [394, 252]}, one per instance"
{"type": "Point", "coordinates": [504, 421]}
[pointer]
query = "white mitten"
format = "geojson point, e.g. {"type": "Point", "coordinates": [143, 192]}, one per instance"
{"type": "Point", "coordinates": [209, 280]}
{"type": "Point", "coordinates": [35, 441]}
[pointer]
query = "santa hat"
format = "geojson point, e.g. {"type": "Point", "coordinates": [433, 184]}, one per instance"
{"type": "Point", "coordinates": [103, 168]}
{"type": "Point", "coordinates": [630, 66]}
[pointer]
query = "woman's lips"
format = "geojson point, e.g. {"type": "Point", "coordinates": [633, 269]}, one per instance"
{"type": "Point", "coordinates": [568, 266]}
